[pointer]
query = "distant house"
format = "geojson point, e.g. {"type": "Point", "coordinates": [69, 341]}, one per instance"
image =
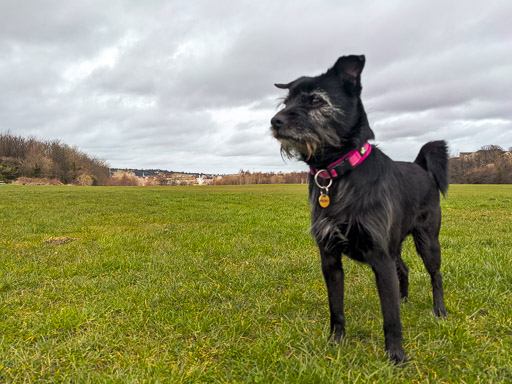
{"type": "Point", "coordinates": [182, 179]}
{"type": "Point", "coordinates": [203, 179]}
{"type": "Point", "coordinates": [468, 155]}
{"type": "Point", "coordinates": [489, 165]}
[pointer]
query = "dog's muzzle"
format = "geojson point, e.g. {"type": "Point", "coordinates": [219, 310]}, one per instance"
{"type": "Point", "coordinates": [278, 121]}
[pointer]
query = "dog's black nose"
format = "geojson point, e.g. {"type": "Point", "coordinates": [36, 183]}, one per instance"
{"type": "Point", "coordinates": [278, 121]}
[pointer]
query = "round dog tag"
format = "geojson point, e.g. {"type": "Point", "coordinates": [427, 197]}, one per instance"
{"type": "Point", "coordinates": [324, 201]}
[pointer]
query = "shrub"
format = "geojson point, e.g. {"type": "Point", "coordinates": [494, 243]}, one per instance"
{"type": "Point", "coordinates": [85, 180]}
{"type": "Point", "coordinates": [36, 181]}
{"type": "Point", "coordinates": [124, 179]}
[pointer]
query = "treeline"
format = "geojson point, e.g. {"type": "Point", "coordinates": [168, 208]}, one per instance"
{"type": "Point", "coordinates": [30, 158]}
{"type": "Point", "coordinates": [489, 165]}
{"type": "Point", "coordinates": [246, 177]}
{"type": "Point", "coordinates": [27, 160]}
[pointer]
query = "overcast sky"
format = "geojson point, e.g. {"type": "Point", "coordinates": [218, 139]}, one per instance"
{"type": "Point", "coordinates": [188, 85]}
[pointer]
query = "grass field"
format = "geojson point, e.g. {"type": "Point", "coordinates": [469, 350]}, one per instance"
{"type": "Point", "coordinates": [223, 284]}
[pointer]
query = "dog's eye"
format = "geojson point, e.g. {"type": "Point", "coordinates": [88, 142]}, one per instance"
{"type": "Point", "coordinates": [316, 101]}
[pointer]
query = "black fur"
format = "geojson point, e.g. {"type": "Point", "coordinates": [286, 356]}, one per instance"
{"type": "Point", "coordinates": [375, 206]}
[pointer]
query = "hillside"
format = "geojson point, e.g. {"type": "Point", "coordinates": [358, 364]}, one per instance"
{"type": "Point", "coordinates": [489, 165]}
{"type": "Point", "coordinates": [50, 160]}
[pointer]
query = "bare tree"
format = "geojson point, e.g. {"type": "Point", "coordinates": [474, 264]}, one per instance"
{"type": "Point", "coordinates": [48, 159]}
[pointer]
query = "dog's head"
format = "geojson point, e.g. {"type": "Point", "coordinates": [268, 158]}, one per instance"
{"type": "Point", "coordinates": [323, 114]}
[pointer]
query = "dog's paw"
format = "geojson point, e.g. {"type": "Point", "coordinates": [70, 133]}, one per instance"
{"type": "Point", "coordinates": [336, 337]}
{"type": "Point", "coordinates": [440, 312]}
{"type": "Point", "coordinates": [397, 356]}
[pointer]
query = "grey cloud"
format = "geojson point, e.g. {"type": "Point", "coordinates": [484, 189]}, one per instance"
{"type": "Point", "coordinates": [434, 70]}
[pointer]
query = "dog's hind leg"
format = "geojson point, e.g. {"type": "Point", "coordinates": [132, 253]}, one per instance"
{"type": "Point", "coordinates": [403, 273]}
{"type": "Point", "coordinates": [332, 270]}
{"type": "Point", "coordinates": [403, 278]}
{"type": "Point", "coordinates": [429, 249]}
{"type": "Point", "coordinates": [386, 277]}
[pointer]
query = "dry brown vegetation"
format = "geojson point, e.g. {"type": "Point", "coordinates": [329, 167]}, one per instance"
{"type": "Point", "coordinates": [51, 159]}
{"type": "Point", "coordinates": [124, 179]}
{"type": "Point", "coordinates": [489, 165]}
{"type": "Point", "coordinates": [30, 161]}
{"type": "Point", "coordinates": [246, 177]}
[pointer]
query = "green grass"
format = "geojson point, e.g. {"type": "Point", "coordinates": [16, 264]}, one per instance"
{"type": "Point", "coordinates": [223, 284]}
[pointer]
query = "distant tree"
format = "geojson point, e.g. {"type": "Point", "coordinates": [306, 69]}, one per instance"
{"type": "Point", "coordinates": [35, 164]}
{"type": "Point", "coordinates": [124, 179]}
{"type": "Point", "coordinates": [9, 169]}
{"type": "Point", "coordinates": [85, 180]}
{"type": "Point", "coordinates": [246, 177]}
{"type": "Point", "coordinates": [49, 159]}
{"type": "Point", "coordinates": [489, 165]}
{"type": "Point", "coordinates": [13, 146]}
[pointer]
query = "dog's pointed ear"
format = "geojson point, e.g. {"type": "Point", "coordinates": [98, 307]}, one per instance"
{"type": "Point", "coordinates": [349, 69]}
{"type": "Point", "coordinates": [292, 84]}
{"type": "Point", "coordinates": [352, 65]}
{"type": "Point", "coordinates": [283, 86]}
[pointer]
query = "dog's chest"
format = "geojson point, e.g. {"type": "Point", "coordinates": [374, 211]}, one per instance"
{"type": "Point", "coordinates": [341, 225]}
{"type": "Point", "coordinates": [340, 232]}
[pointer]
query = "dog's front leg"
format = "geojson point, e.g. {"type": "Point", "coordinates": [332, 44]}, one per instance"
{"type": "Point", "coordinates": [387, 284]}
{"type": "Point", "coordinates": [332, 270]}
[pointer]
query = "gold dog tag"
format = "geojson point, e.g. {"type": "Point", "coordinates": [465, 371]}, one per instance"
{"type": "Point", "coordinates": [324, 200]}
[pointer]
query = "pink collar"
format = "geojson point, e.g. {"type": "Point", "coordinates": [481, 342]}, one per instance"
{"type": "Point", "coordinates": [346, 163]}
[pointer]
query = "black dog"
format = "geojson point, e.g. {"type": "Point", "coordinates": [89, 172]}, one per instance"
{"type": "Point", "coordinates": [363, 204]}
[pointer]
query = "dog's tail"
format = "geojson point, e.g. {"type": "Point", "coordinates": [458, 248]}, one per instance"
{"type": "Point", "coordinates": [433, 158]}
